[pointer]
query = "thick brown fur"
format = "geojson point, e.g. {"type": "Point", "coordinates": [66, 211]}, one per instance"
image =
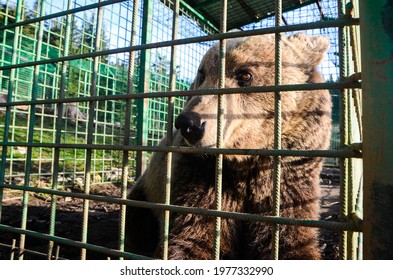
{"type": "Point", "coordinates": [247, 180]}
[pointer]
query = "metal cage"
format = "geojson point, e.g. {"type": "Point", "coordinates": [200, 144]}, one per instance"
{"type": "Point", "coordinates": [88, 89]}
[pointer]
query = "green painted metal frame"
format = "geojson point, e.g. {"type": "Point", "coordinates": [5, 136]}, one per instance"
{"type": "Point", "coordinates": [3, 163]}
{"type": "Point", "coordinates": [55, 74]}
{"type": "Point", "coordinates": [7, 124]}
{"type": "Point", "coordinates": [377, 72]}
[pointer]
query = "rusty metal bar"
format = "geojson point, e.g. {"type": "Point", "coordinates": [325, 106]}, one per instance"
{"type": "Point", "coordinates": [59, 122]}
{"type": "Point", "coordinates": [220, 132]}
{"type": "Point", "coordinates": [12, 249]}
{"type": "Point", "coordinates": [343, 132]}
{"type": "Point", "coordinates": [169, 130]}
{"type": "Point", "coordinates": [90, 129]}
{"type": "Point", "coordinates": [335, 226]}
{"type": "Point", "coordinates": [127, 129]}
{"type": "Point", "coordinates": [70, 242]}
{"type": "Point", "coordinates": [144, 85]}
{"type": "Point", "coordinates": [277, 131]}
{"type": "Point", "coordinates": [344, 152]}
{"type": "Point", "coordinates": [347, 83]}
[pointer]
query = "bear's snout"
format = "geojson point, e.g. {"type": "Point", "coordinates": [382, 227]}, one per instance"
{"type": "Point", "coordinates": [189, 124]}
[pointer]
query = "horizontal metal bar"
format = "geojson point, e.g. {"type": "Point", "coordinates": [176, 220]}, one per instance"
{"type": "Point", "coordinates": [335, 226]}
{"type": "Point", "coordinates": [62, 13]}
{"type": "Point", "coordinates": [260, 89]}
{"type": "Point", "coordinates": [298, 27]}
{"type": "Point", "coordinates": [70, 242]}
{"type": "Point", "coordinates": [32, 252]}
{"type": "Point", "coordinates": [345, 152]}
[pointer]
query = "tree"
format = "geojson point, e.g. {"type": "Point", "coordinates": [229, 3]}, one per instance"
{"type": "Point", "coordinates": [7, 16]}
{"type": "Point", "coordinates": [160, 72]}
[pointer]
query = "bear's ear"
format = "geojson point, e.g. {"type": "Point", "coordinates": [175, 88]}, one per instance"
{"type": "Point", "coordinates": [193, 85]}
{"type": "Point", "coordinates": [310, 49]}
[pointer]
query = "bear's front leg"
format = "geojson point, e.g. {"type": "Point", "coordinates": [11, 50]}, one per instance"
{"type": "Point", "coordinates": [295, 243]}
{"type": "Point", "coordinates": [192, 238]}
{"type": "Point", "coordinates": [142, 227]}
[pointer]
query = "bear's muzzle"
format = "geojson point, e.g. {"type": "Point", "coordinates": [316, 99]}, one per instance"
{"type": "Point", "coordinates": [190, 126]}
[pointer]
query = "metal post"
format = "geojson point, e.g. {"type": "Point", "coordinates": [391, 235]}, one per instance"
{"type": "Point", "coordinates": [144, 85]}
{"type": "Point", "coordinates": [376, 22]}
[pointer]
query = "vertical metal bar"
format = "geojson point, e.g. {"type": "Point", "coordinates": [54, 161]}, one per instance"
{"type": "Point", "coordinates": [144, 86]}
{"type": "Point", "coordinates": [169, 132]}
{"type": "Point", "coordinates": [359, 213]}
{"type": "Point", "coordinates": [11, 82]}
{"type": "Point", "coordinates": [220, 132]}
{"type": "Point", "coordinates": [57, 252]}
{"type": "Point", "coordinates": [30, 137]}
{"type": "Point", "coordinates": [343, 133]}
{"type": "Point", "coordinates": [90, 129]}
{"type": "Point", "coordinates": [351, 10]}
{"type": "Point", "coordinates": [13, 248]}
{"type": "Point", "coordinates": [59, 123]}
{"type": "Point", "coordinates": [127, 131]}
{"type": "Point", "coordinates": [354, 132]}
{"type": "Point", "coordinates": [351, 245]}
{"type": "Point", "coordinates": [277, 133]}
{"type": "Point", "coordinates": [376, 19]}
{"type": "Point", "coordinates": [350, 64]}
{"type": "Point", "coordinates": [7, 122]}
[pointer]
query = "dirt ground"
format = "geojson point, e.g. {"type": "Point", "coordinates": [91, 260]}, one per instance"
{"type": "Point", "coordinates": [104, 220]}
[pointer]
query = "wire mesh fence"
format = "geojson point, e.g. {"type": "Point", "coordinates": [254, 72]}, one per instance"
{"type": "Point", "coordinates": [72, 123]}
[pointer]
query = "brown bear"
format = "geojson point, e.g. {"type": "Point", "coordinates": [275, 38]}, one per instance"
{"type": "Point", "coordinates": [247, 180]}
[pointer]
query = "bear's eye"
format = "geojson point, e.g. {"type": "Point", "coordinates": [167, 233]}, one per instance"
{"type": "Point", "coordinates": [244, 79]}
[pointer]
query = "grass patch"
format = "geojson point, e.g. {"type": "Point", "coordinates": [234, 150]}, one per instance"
{"type": "Point", "coordinates": [71, 160]}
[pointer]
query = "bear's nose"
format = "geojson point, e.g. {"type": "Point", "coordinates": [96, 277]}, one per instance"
{"type": "Point", "coordinates": [189, 124]}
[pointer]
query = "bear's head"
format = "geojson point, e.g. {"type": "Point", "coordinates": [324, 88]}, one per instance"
{"type": "Point", "coordinates": [249, 117]}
